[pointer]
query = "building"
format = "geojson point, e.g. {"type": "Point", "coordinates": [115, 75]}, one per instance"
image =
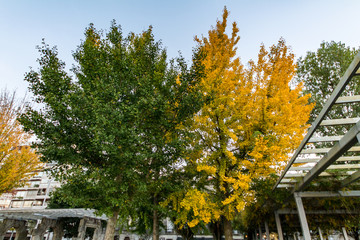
{"type": "Point", "coordinates": [35, 194]}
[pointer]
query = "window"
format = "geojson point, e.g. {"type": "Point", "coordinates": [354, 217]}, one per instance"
{"type": "Point", "coordinates": [20, 194]}
{"type": "Point", "coordinates": [4, 203]}
{"type": "Point", "coordinates": [16, 204]}
{"type": "Point", "coordinates": [28, 203]}
{"type": "Point", "coordinates": [41, 192]}
{"type": "Point", "coordinates": [31, 194]}
{"type": "Point", "coordinates": [37, 203]}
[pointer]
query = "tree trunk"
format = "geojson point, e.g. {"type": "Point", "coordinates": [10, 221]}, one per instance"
{"type": "Point", "coordinates": [228, 231]}
{"type": "Point", "coordinates": [185, 232]}
{"type": "Point", "coordinates": [155, 232]}
{"type": "Point", "coordinates": [216, 230]}
{"type": "Point", "coordinates": [250, 234]}
{"type": "Point", "coordinates": [110, 227]}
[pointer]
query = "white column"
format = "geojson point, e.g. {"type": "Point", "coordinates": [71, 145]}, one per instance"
{"type": "Point", "coordinates": [302, 217]}
{"type": "Point", "coordinates": [278, 226]}
{"type": "Point", "coordinates": [320, 234]}
{"type": "Point", "coordinates": [345, 233]}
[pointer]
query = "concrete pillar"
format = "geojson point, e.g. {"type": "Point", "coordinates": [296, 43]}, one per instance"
{"type": "Point", "coordinates": [278, 226]}
{"type": "Point", "coordinates": [21, 230]}
{"type": "Point", "coordinates": [4, 226]}
{"type": "Point", "coordinates": [302, 217]}
{"type": "Point", "coordinates": [82, 229]}
{"type": "Point", "coordinates": [97, 233]}
{"type": "Point", "coordinates": [38, 233]}
{"type": "Point", "coordinates": [58, 231]}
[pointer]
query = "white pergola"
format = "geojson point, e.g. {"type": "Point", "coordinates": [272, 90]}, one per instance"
{"type": "Point", "coordinates": [314, 159]}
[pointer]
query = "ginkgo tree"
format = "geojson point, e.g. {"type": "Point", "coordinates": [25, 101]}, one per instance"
{"type": "Point", "coordinates": [112, 126]}
{"type": "Point", "coordinates": [18, 161]}
{"type": "Point", "coordinates": [246, 130]}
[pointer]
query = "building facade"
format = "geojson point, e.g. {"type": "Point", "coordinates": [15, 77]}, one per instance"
{"type": "Point", "coordinates": [35, 194]}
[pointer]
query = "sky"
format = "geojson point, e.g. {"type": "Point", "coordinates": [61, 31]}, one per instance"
{"type": "Point", "coordinates": [303, 24]}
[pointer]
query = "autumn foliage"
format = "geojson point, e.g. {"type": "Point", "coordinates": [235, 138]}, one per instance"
{"type": "Point", "coordinates": [251, 123]}
{"type": "Point", "coordinates": [17, 160]}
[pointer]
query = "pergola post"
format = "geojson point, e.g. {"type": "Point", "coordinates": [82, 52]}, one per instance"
{"type": "Point", "coordinates": [267, 230]}
{"type": "Point", "coordinates": [81, 229]}
{"type": "Point", "coordinates": [4, 226]}
{"type": "Point", "coordinates": [58, 231]}
{"type": "Point", "coordinates": [302, 217]}
{"type": "Point", "coordinates": [320, 234]}
{"type": "Point", "coordinates": [345, 233]}
{"type": "Point", "coordinates": [278, 226]}
{"type": "Point", "coordinates": [21, 230]}
{"type": "Point", "coordinates": [38, 233]}
{"type": "Point", "coordinates": [97, 233]}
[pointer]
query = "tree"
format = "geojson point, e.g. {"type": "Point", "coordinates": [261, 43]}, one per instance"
{"type": "Point", "coordinates": [248, 128]}
{"type": "Point", "coordinates": [17, 161]}
{"type": "Point", "coordinates": [112, 127]}
{"type": "Point", "coordinates": [322, 70]}
{"type": "Point", "coordinates": [168, 105]}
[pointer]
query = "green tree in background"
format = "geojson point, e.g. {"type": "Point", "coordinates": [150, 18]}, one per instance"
{"type": "Point", "coordinates": [113, 125]}
{"type": "Point", "coordinates": [322, 70]}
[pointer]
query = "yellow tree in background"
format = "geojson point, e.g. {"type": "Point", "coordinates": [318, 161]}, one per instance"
{"type": "Point", "coordinates": [251, 123]}
{"type": "Point", "coordinates": [17, 160]}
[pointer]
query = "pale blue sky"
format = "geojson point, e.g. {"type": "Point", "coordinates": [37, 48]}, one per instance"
{"type": "Point", "coordinates": [304, 25]}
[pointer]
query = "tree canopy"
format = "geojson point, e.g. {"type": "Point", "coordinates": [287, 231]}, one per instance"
{"type": "Point", "coordinates": [251, 123]}
{"type": "Point", "coordinates": [112, 126]}
{"type": "Point", "coordinates": [321, 71]}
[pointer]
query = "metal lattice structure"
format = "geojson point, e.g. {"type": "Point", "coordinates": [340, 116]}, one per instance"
{"type": "Point", "coordinates": [329, 149]}
{"type": "Point", "coordinates": [320, 153]}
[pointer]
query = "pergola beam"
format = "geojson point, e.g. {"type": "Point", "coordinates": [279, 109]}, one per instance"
{"type": "Point", "coordinates": [319, 212]}
{"type": "Point", "coordinates": [325, 139]}
{"type": "Point", "coordinates": [292, 175]}
{"type": "Point", "coordinates": [330, 194]}
{"type": "Point", "coordinates": [326, 150]}
{"type": "Point", "coordinates": [340, 159]}
{"type": "Point", "coordinates": [332, 167]}
{"type": "Point", "coordinates": [349, 139]}
{"type": "Point", "coordinates": [342, 121]}
{"type": "Point", "coordinates": [352, 178]}
{"type": "Point", "coordinates": [348, 99]}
